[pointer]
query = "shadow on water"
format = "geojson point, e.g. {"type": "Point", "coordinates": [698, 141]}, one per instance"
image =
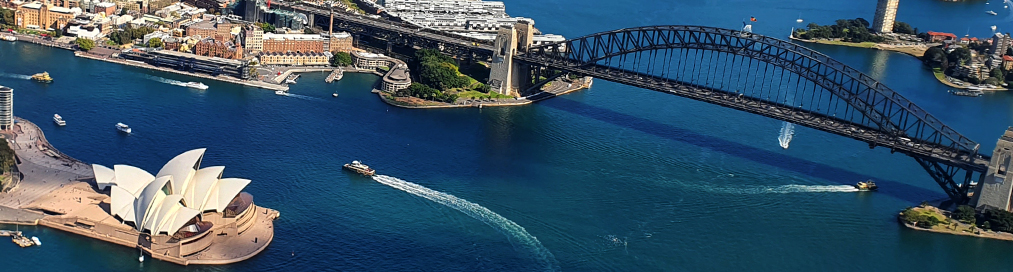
{"type": "Point", "coordinates": [897, 189]}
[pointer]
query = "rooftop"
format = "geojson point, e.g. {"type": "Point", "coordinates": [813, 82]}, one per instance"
{"type": "Point", "coordinates": [300, 37]}
{"type": "Point", "coordinates": [197, 57]}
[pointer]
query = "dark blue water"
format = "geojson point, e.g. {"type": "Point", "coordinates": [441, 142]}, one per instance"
{"type": "Point", "coordinates": [609, 179]}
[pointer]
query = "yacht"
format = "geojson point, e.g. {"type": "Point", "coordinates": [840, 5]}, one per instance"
{"type": "Point", "coordinates": [196, 85]}
{"type": "Point", "coordinates": [360, 168]}
{"type": "Point", "coordinates": [59, 120]}
{"type": "Point", "coordinates": [334, 94]}
{"type": "Point", "coordinates": [991, 12]}
{"type": "Point", "coordinates": [280, 92]}
{"type": "Point", "coordinates": [123, 127]}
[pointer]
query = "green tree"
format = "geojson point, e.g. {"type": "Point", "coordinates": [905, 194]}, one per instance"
{"type": "Point", "coordinates": [341, 59]}
{"type": "Point", "coordinates": [935, 57]}
{"type": "Point", "coordinates": [903, 28]}
{"type": "Point", "coordinates": [997, 74]}
{"type": "Point", "coordinates": [7, 17]}
{"type": "Point", "coordinates": [986, 225]}
{"type": "Point", "coordinates": [266, 27]}
{"type": "Point", "coordinates": [959, 55]}
{"type": "Point", "coordinates": [85, 44]}
{"type": "Point", "coordinates": [308, 31]}
{"type": "Point", "coordinates": [999, 220]}
{"type": "Point", "coordinates": [123, 11]}
{"type": "Point", "coordinates": [155, 42]}
{"type": "Point", "coordinates": [964, 214]}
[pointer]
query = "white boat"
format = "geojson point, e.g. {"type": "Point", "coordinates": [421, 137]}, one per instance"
{"type": "Point", "coordinates": [196, 85]}
{"type": "Point", "coordinates": [991, 12]}
{"type": "Point", "coordinates": [59, 120]}
{"type": "Point", "coordinates": [9, 38]}
{"type": "Point", "coordinates": [334, 94]}
{"type": "Point", "coordinates": [36, 240]}
{"type": "Point", "coordinates": [280, 92]}
{"type": "Point", "coordinates": [123, 127]}
{"type": "Point", "coordinates": [993, 28]}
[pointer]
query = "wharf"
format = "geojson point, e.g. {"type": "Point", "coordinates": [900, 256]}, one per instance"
{"type": "Point", "coordinates": [251, 83]}
{"type": "Point", "coordinates": [337, 74]}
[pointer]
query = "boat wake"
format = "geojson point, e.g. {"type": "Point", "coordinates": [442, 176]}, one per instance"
{"type": "Point", "coordinates": [303, 97]}
{"type": "Point", "coordinates": [787, 132]}
{"type": "Point", "coordinates": [15, 76]}
{"type": "Point", "coordinates": [787, 189]}
{"type": "Point", "coordinates": [168, 81]}
{"type": "Point", "coordinates": [515, 233]}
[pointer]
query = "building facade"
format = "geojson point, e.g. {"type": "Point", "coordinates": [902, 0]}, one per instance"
{"type": "Point", "coordinates": [397, 79]}
{"type": "Point", "coordinates": [293, 43]}
{"type": "Point", "coordinates": [363, 60]}
{"type": "Point", "coordinates": [253, 38]}
{"type": "Point", "coordinates": [106, 8]}
{"type": "Point", "coordinates": [295, 58]}
{"type": "Point", "coordinates": [886, 12]}
{"type": "Point", "coordinates": [42, 16]}
{"type": "Point", "coordinates": [6, 108]}
{"type": "Point", "coordinates": [218, 49]}
{"type": "Point", "coordinates": [340, 42]}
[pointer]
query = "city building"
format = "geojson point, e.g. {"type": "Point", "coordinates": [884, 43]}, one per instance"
{"type": "Point", "coordinates": [293, 43]}
{"type": "Point", "coordinates": [190, 62]}
{"type": "Point", "coordinates": [1000, 43]}
{"type": "Point", "coordinates": [215, 5]}
{"type": "Point", "coordinates": [157, 34]}
{"type": "Point", "coordinates": [6, 108]}
{"type": "Point", "coordinates": [339, 42]}
{"type": "Point", "coordinates": [218, 49]}
{"type": "Point", "coordinates": [203, 28]}
{"type": "Point", "coordinates": [253, 38]}
{"type": "Point", "coordinates": [38, 15]}
{"type": "Point", "coordinates": [364, 60]}
{"type": "Point", "coordinates": [397, 79]}
{"type": "Point", "coordinates": [295, 58]}
{"type": "Point", "coordinates": [940, 36]}
{"type": "Point", "coordinates": [105, 8]}
{"type": "Point", "coordinates": [886, 12]}
{"type": "Point", "coordinates": [1007, 62]}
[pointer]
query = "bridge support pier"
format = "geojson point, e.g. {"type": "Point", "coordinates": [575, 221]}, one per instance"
{"type": "Point", "coordinates": [506, 76]}
{"type": "Point", "coordinates": [996, 188]}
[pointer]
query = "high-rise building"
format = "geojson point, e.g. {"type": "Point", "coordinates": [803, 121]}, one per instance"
{"type": "Point", "coordinates": [999, 44]}
{"type": "Point", "coordinates": [886, 12]}
{"type": "Point", "coordinates": [6, 108]}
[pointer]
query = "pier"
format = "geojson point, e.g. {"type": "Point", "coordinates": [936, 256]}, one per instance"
{"type": "Point", "coordinates": [337, 74]}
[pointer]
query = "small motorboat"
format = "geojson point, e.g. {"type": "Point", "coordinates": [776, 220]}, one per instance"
{"type": "Point", "coordinates": [991, 12]}
{"type": "Point", "coordinates": [867, 185]}
{"type": "Point", "coordinates": [36, 240]}
{"type": "Point", "coordinates": [334, 94]}
{"type": "Point", "coordinates": [196, 85]}
{"type": "Point", "coordinates": [59, 120]}
{"type": "Point", "coordinates": [280, 92]}
{"type": "Point", "coordinates": [123, 128]}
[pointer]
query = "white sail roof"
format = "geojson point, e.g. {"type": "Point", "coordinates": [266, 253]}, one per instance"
{"type": "Point", "coordinates": [165, 202]}
{"type": "Point", "coordinates": [104, 176]}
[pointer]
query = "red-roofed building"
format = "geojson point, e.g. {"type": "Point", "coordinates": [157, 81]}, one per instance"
{"type": "Point", "coordinates": [1007, 62]}
{"type": "Point", "coordinates": [940, 36]}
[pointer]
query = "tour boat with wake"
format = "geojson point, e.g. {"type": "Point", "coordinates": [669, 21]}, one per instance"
{"type": "Point", "coordinates": [196, 85]}
{"type": "Point", "coordinates": [867, 185]}
{"type": "Point", "coordinates": [42, 77]}
{"type": "Point", "coordinates": [59, 120]}
{"type": "Point", "coordinates": [360, 168]}
{"type": "Point", "coordinates": [123, 127]}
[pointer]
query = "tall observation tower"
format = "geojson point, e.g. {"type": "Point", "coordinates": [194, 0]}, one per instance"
{"type": "Point", "coordinates": [886, 12]}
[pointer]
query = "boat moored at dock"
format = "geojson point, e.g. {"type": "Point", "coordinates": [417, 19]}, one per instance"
{"type": "Point", "coordinates": [59, 120]}
{"type": "Point", "coordinates": [280, 92]}
{"type": "Point", "coordinates": [360, 168]}
{"type": "Point", "coordinates": [9, 38]}
{"type": "Point", "coordinates": [123, 128]}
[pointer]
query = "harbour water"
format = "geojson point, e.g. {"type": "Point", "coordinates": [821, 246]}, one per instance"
{"type": "Point", "coordinates": [613, 178]}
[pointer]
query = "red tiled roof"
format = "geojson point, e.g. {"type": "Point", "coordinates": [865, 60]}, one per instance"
{"type": "Point", "coordinates": [964, 39]}
{"type": "Point", "coordinates": [951, 35]}
{"type": "Point", "coordinates": [1007, 58]}
{"type": "Point", "coordinates": [974, 39]}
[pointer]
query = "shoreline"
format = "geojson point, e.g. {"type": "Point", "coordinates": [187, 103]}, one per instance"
{"type": "Point", "coordinates": [908, 50]}
{"type": "Point", "coordinates": [543, 95]}
{"type": "Point", "coordinates": [262, 85]}
{"type": "Point", "coordinates": [962, 229]}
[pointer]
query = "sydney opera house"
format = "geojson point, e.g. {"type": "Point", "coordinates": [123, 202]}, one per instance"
{"type": "Point", "coordinates": [184, 214]}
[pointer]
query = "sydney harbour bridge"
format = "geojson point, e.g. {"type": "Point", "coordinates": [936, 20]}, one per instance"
{"type": "Point", "coordinates": [729, 68]}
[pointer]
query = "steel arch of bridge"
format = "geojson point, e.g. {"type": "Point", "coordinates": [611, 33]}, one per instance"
{"type": "Point", "coordinates": [878, 115]}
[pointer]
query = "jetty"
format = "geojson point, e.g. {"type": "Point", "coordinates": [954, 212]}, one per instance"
{"type": "Point", "coordinates": [337, 74]}
{"type": "Point", "coordinates": [291, 78]}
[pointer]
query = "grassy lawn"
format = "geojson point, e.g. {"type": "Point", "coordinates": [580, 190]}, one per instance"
{"type": "Point", "coordinates": [938, 72]}
{"type": "Point", "coordinates": [862, 44]}
{"type": "Point", "coordinates": [478, 95]}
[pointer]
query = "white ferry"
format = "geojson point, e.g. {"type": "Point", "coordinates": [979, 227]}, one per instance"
{"type": "Point", "coordinates": [196, 85]}
{"type": "Point", "coordinates": [9, 38]}
{"type": "Point", "coordinates": [123, 127]}
{"type": "Point", "coordinates": [59, 120]}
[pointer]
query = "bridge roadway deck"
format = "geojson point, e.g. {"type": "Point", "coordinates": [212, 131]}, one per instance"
{"type": "Point", "coordinates": [390, 26]}
{"type": "Point", "coordinates": [942, 154]}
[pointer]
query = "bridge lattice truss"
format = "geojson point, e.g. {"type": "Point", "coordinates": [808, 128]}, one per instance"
{"type": "Point", "coordinates": [769, 77]}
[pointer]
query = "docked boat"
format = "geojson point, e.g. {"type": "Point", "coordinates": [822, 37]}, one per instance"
{"type": "Point", "coordinates": [867, 185]}
{"type": "Point", "coordinates": [971, 92]}
{"type": "Point", "coordinates": [123, 127]}
{"type": "Point", "coordinates": [42, 77]}
{"type": "Point", "coordinates": [196, 85]}
{"type": "Point", "coordinates": [280, 92]}
{"type": "Point", "coordinates": [36, 240]}
{"type": "Point", "coordinates": [59, 120]}
{"type": "Point", "coordinates": [9, 38]}
{"type": "Point", "coordinates": [291, 79]}
{"type": "Point", "coordinates": [991, 12]}
{"type": "Point", "coordinates": [360, 168]}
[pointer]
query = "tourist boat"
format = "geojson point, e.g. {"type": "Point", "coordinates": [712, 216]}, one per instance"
{"type": "Point", "coordinates": [196, 85]}
{"type": "Point", "coordinates": [360, 168]}
{"type": "Point", "coordinates": [280, 92]}
{"type": "Point", "coordinates": [867, 185]}
{"type": "Point", "coordinates": [9, 38]}
{"type": "Point", "coordinates": [59, 120]}
{"type": "Point", "coordinates": [42, 77]}
{"type": "Point", "coordinates": [123, 127]}
{"type": "Point", "coordinates": [991, 12]}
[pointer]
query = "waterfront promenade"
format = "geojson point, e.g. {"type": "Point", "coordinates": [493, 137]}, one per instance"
{"type": "Point", "coordinates": [251, 83]}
